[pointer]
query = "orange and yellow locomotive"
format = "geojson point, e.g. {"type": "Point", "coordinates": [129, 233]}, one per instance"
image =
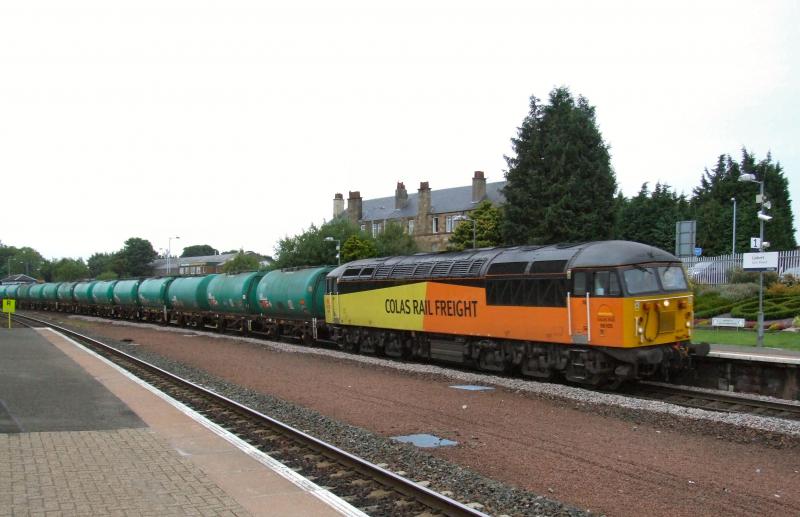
{"type": "Point", "coordinates": [597, 313]}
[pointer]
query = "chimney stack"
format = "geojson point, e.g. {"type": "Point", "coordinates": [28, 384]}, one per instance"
{"type": "Point", "coordinates": [478, 187]}
{"type": "Point", "coordinates": [354, 206]}
{"type": "Point", "coordinates": [338, 205]}
{"type": "Point", "coordinates": [423, 219]}
{"type": "Point", "coordinates": [400, 196]}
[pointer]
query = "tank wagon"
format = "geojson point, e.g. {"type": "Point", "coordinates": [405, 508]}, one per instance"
{"type": "Point", "coordinates": [125, 298]}
{"type": "Point", "coordinates": [291, 303]}
{"type": "Point", "coordinates": [595, 313]}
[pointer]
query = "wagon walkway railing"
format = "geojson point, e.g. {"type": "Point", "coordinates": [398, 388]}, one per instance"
{"type": "Point", "coordinates": [715, 270]}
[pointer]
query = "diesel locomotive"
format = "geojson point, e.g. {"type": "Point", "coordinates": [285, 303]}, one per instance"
{"type": "Point", "coordinates": [595, 313]}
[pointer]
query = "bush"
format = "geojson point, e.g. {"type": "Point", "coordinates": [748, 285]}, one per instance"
{"type": "Point", "coordinates": [738, 292]}
{"type": "Point", "coordinates": [782, 289]}
{"type": "Point", "coordinates": [740, 276]}
{"type": "Point", "coordinates": [775, 308]}
{"type": "Point", "coordinates": [796, 321]}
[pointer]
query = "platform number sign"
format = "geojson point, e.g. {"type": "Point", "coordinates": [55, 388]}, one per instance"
{"type": "Point", "coordinates": [8, 307]}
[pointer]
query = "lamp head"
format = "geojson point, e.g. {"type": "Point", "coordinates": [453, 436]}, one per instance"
{"type": "Point", "coordinates": [764, 217]}
{"type": "Point", "coordinates": [748, 177]}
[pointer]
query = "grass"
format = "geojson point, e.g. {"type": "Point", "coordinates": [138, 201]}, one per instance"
{"type": "Point", "coordinates": [785, 340]}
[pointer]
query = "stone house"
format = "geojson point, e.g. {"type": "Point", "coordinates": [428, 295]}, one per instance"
{"type": "Point", "coordinates": [430, 216]}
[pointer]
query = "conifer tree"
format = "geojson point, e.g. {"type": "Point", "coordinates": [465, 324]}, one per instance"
{"type": "Point", "coordinates": [713, 209]}
{"type": "Point", "coordinates": [560, 183]}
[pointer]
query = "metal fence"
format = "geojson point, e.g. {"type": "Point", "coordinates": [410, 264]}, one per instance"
{"type": "Point", "coordinates": [715, 270]}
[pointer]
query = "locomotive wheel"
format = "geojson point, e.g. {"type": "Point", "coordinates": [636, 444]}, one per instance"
{"type": "Point", "coordinates": [492, 361]}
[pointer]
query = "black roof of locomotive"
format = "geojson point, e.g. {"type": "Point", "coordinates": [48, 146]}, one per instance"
{"type": "Point", "coordinates": [557, 258]}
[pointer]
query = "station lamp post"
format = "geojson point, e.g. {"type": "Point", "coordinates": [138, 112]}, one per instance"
{"type": "Point", "coordinates": [338, 249]}
{"type": "Point", "coordinates": [169, 254]}
{"type": "Point", "coordinates": [465, 218]}
{"type": "Point", "coordinates": [733, 245]}
{"type": "Point", "coordinates": [762, 218]}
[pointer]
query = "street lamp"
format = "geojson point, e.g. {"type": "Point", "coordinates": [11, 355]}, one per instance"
{"type": "Point", "coordinates": [338, 243]}
{"type": "Point", "coordinates": [464, 218]}
{"type": "Point", "coordinates": [762, 217]}
{"type": "Point", "coordinates": [169, 254]}
{"type": "Point", "coordinates": [733, 245]}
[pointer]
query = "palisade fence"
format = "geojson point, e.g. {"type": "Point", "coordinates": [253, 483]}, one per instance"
{"type": "Point", "coordinates": [715, 270]}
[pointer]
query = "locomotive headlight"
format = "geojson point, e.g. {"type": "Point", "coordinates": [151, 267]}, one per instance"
{"type": "Point", "coordinates": [666, 303]}
{"type": "Point", "coordinates": [641, 330]}
{"type": "Point", "coordinates": [688, 324]}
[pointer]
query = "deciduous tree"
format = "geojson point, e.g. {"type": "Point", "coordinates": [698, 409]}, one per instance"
{"type": "Point", "coordinates": [487, 219]}
{"type": "Point", "coordinates": [199, 250]}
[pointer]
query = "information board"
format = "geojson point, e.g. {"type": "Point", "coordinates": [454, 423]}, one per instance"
{"type": "Point", "coordinates": [767, 261]}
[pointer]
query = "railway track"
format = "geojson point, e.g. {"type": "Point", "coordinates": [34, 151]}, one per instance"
{"type": "Point", "coordinates": [368, 487]}
{"type": "Point", "coordinates": [713, 401]}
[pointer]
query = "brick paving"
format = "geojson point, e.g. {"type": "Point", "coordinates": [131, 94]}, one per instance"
{"type": "Point", "coordinates": [118, 472]}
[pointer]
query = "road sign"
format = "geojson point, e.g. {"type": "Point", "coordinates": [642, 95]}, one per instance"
{"type": "Point", "coordinates": [698, 252]}
{"type": "Point", "coordinates": [767, 261]}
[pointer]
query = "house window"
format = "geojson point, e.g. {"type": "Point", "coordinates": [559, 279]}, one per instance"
{"type": "Point", "coordinates": [448, 224]}
{"type": "Point", "coordinates": [435, 225]}
{"type": "Point", "coordinates": [376, 229]}
{"type": "Point", "coordinates": [363, 227]}
{"type": "Point", "coordinates": [411, 227]}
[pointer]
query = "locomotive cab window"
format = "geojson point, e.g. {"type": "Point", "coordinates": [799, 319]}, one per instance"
{"type": "Point", "coordinates": [606, 283]}
{"type": "Point", "coordinates": [672, 278]}
{"type": "Point", "coordinates": [641, 280]}
{"type": "Point", "coordinates": [579, 283]}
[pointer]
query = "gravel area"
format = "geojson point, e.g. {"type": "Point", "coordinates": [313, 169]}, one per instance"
{"type": "Point", "coordinates": [601, 452]}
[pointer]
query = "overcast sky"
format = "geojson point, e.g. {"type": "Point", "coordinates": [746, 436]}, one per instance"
{"type": "Point", "coordinates": [234, 123]}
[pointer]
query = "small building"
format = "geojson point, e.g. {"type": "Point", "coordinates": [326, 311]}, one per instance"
{"type": "Point", "coordinates": [202, 265]}
{"type": "Point", "coordinates": [18, 279]}
{"type": "Point", "coordinates": [430, 216]}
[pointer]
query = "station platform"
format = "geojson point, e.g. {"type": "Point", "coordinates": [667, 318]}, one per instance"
{"type": "Point", "coordinates": [79, 436]}
{"type": "Point", "coordinates": [756, 354]}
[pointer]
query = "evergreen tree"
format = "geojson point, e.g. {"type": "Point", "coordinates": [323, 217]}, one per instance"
{"type": "Point", "coordinates": [712, 205]}
{"type": "Point", "coordinates": [649, 217]}
{"type": "Point", "coordinates": [560, 183]}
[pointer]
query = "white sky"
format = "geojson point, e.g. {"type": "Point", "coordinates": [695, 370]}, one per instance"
{"type": "Point", "coordinates": [234, 123]}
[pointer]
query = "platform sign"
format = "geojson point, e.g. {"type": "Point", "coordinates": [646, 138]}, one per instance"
{"type": "Point", "coordinates": [767, 261]}
{"type": "Point", "coordinates": [9, 306]}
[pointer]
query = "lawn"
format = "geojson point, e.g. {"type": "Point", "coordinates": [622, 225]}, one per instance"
{"type": "Point", "coordinates": [786, 340]}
